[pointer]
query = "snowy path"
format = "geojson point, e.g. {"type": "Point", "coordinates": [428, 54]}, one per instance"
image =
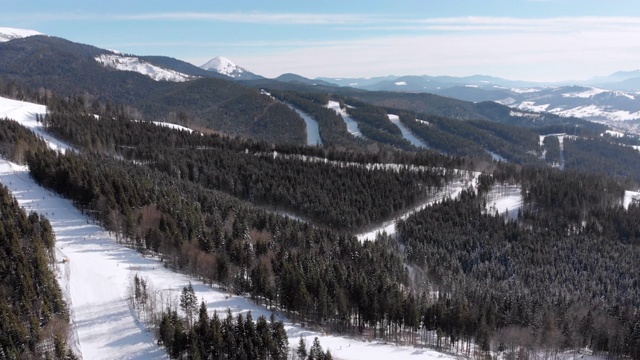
{"type": "Point", "coordinates": [450, 191]}
{"type": "Point", "coordinates": [313, 130]}
{"type": "Point", "coordinates": [95, 276]}
{"type": "Point", "coordinates": [406, 133]}
{"type": "Point", "coordinates": [352, 125]}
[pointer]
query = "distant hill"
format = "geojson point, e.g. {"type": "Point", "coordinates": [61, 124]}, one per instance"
{"type": "Point", "coordinates": [294, 78]}
{"type": "Point", "coordinates": [71, 69]}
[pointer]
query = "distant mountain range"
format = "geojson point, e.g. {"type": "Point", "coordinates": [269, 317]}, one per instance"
{"type": "Point", "coordinates": [610, 98]}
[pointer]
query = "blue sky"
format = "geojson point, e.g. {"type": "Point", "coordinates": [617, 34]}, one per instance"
{"type": "Point", "coordinates": [540, 40]}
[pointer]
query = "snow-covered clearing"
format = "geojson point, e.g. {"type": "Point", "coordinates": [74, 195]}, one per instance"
{"type": "Point", "coordinates": [630, 197]}
{"type": "Point", "coordinates": [130, 63]}
{"type": "Point", "coordinates": [406, 133]}
{"type": "Point", "coordinates": [97, 272]}
{"type": "Point", "coordinates": [352, 125]}
{"type": "Point", "coordinates": [496, 156]}
{"type": "Point", "coordinates": [531, 106]}
{"type": "Point", "coordinates": [506, 200]}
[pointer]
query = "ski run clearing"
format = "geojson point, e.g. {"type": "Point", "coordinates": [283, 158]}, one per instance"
{"type": "Point", "coordinates": [352, 125]}
{"type": "Point", "coordinates": [406, 133]}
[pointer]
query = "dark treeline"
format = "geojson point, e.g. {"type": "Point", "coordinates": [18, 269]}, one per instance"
{"type": "Point", "coordinates": [34, 321]}
{"type": "Point", "coordinates": [441, 140]}
{"type": "Point", "coordinates": [509, 285]}
{"type": "Point", "coordinates": [475, 137]}
{"type": "Point", "coordinates": [602, 156]}
{"type": "Point", "coordinates": [344, 197]}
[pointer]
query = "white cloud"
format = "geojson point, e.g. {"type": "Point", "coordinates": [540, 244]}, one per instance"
{"type": "Point", "coordinates": [592, 49]}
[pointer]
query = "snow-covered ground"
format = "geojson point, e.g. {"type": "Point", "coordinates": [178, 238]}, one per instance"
{"type": "Point", "coordinates": [496, 156]}
{"type": "Point", "coordinates": [352, 125]}
{"type": "Point", "coordinates": [172, 126]}
{"type": "Point", "coordinates": [131, 63]}
{"type": "Point", "coordinates": [629, 197]}
{"type": "Point", "coordinates": [7, 34]}
{"type": "Point", "coordinates": [506, 200]}
{"type": "Point", "coordinates": [25, 113]}
{"type": "Point", "coordinates": [406, 133]}
{"type": "Point", "coordinates": [97, 273]}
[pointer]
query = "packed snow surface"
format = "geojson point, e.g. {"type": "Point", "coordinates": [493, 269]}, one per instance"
{"type": "Point", "coordinates": [7, 34]}
{"type": "Point", "coordinates": [25, 113]}
{"type": "Point", "coordinates": [406, 133]}
{"type": "Point", "coordinates": [131, 63]}
{"type": "Point", "coordinates": [352, 125]}
{"type": "Point", "coordinates": [630, 197]}
{"type": "Point", "coordinates": [313, 130]}
{"type": "Point", "coordinates": [613, 133]}
{"type": "Point", "coordinates": [506, 200]}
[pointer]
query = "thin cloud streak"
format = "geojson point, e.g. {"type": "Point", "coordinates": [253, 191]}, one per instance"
{"type": "Point", "coordinates": [260, 18]}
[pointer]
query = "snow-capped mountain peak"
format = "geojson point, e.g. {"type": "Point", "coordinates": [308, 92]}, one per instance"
{"type": "Point", "coordinates": [224, 66]}
{"type": "Point", "coordinates": [7, 34]}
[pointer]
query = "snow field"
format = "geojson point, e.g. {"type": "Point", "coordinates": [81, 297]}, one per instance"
{"type": "Point", "coordinates": [25, 113]}
{"type": "Point", "coordinates": [506, 200]}
{"type": "Point", "coordinates": [130, 63]}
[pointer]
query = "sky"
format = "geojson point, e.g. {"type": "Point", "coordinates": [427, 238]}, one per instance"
{"type": "Point", "coordinates": [535, 40]}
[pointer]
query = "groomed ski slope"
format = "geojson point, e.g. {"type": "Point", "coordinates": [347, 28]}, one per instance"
{"type": "Point", "coordinates": [352, 125]}
{"type": "Point", "coordinates": [406, 133]}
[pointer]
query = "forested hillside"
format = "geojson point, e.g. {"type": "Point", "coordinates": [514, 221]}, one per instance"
{"type": "Point", "coordinates": [34, 319]}
{"type": "Point", "coordinates": [344, 197]}
{"type": "Point", "coordinates": [547, 281]}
